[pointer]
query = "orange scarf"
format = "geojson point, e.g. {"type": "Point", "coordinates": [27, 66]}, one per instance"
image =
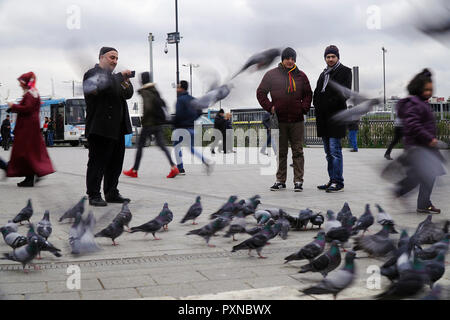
{"type": "Point", "coordinates": [292, 87]}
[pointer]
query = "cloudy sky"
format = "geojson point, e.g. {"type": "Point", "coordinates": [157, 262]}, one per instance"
{"type": "Point", "coordinates": [60, 40]}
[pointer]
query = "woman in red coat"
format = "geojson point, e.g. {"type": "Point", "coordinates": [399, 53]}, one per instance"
{"type": "Point", "coordinates": [29, 155]}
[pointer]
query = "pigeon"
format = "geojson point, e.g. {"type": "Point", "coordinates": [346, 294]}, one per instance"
{"type": "Point", "coordinates": [285, 226]}
{"type": "Point", "coordinates": [194, 212]}
{"type": "Point", "coordinates": [166, 216]}
{"type": "Point", "coordinates": [87, 238]}
{"type": "Point", "coordinates": [345, 213]}
{"type": "Point", "coordinates": [252, 203]}
{"type": "Point", "coordinates": [435, 268]}
{"type": "Point", "coordinates": [400, 259]}
{"type": "Point", "coordinates": [72, 212]}
{"type": "Point", "coordinates": [237, 226]}
{"type": "Point", "coordinates": [364, 222]}
{"type": "Point", "coordinates": [44, 244]}
{"type": "Point", "coordinates": [428, 232]}
{"type": "Point", "coordinates": [11, 226]}
{"type": "Point", "coordinates": [150, 227]}
{"type": "Point", "coordinates": [12, 238]}
{"type": "Point", "coordinates": [112, 231]}
{"type": "Point", "coordinates": [227, 207]}
{"type": "Point", "coordinates": [75, 233]}
{"type": "Point", "coordinates": [261, 60]}
{"type": "Point", "coordinates": [317, 220]}
{"type": "Point", "coordinates": [384, 218]}
{"type": "Point", "coordinates": [303, 217]}
{"type": "Point", "coordinates": [325, 263]}
{"type": "Point", "coordinates": [435, 293]}
{"type": "Point", "coordinates": [206, 232]}
{"type": "Point", "coordinates": [342, 233]}
{"type": "Point", "coordinates": [433, 250]}
{"type": "Point", "coordinates": [309, 251]}
{"type": "Point", "coordinates": [262, 216]}
{"type": "Point", "coordinates": [337, 280]}
{"type": "Point", "coordinates": [24, 214]}
{"type": "Point", "coordinates": [211, 97]}
{"type": "Point", "coordinates": [44, 227]}
{"type": "Point", "coordinates": [411, 281]}
{"type": "Point", "coordinates": [256, 242]}
{"type": "Point", "coordinates": [124, 215]}
{"type": "Point", "coordinates": [378, 245]}
{"type": "Point", "coordinates": [331, 222]}
{"type": "Point", "coordinates": [24, 254]}
{"type": "Point", "coordinates": [238, 207]}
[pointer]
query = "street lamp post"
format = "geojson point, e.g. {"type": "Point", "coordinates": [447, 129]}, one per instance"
{"type": "Point", "coordinates": [384, 75]}
{"type": "Point", "coordinates": [190, 65]}
{"type": "Point", "coordinates": [151, 38]}
{"type": "Point", "coordinates": [73, 85]}
{"type": "Point", "coordinates": [174, 37]}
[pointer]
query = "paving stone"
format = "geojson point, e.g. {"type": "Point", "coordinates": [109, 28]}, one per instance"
{"type": "Point", "coordinates": [23, 288]}
{"type": "Point", "coordinates": [127, 282]}
{"type": "Point", "coordinates": [171, 291]}
{"type": "Point", "coordinates": [85, 284]}
{"type": "Point", "coordinates": [182, 277]}
{"type": "Point", "coordinates": [112, 294]}
{"type": "Point", "coordinates": [53, 296]}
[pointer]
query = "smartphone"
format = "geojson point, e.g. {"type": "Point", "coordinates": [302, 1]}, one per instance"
{"type": "Point", "coordinates": [133, 74]}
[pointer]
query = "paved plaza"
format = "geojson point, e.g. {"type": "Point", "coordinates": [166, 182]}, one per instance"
{"type": "Point", "coordinates": [183, 267]}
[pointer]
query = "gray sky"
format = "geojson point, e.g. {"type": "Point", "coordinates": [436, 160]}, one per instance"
{"type": "Point", "coordinates": [43, 36]}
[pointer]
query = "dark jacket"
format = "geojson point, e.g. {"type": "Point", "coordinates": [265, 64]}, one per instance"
{"type": "Point", "coordinates": [220, 123]}
{"type": "Point", "coordinates": [289, 107]}
{"type": "Point", "coordinates": [153, 106]}
{"type": "Point", "coordinates": [419, 123]}
{"type": "Point", "coordinates": [6, 128]}
{"type": "Point", "coordinates": [185, 114]}
{"type": "Point", "coordinates": [330, 102]}
{"type": "Point", "coordinates": [106, 107]}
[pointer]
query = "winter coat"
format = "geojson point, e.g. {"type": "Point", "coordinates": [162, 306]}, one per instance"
{"type": "Point", "coordinates": [29, 155]}
{"type": "Point", "coordinates": [106, 107]}
{"type": "Point", "coordinates": [154, 115]}
{"type": "Point", "coordinates": [6, 128]}
{"type": "Point", "coordinates": [185, 114]}
{"type": "Point", "coordinates": [220, 123]}
{"type": "Point", "coordinates": [328, 103]}
{"type": "Point", "coordinates": [289, 106]}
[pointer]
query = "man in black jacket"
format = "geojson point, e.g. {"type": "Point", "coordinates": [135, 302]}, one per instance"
{"type": "Point", "coordinates": [220, 124]}
{"type": "Point", "coordinates": [107, 122]}
{"type": "Point", "coordinates": [6, 132]}
{"type": "Point", "coordinates": [328, 102]}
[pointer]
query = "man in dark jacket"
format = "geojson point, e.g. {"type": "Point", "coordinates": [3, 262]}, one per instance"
{"type": "Point", "coordinates": [154, 117]}
{"type": "Point", "coordinates": [220, 124]}
{"type": "Point", "coordinates": [6, 132]}
{"type": "Point", "coordinates": [107, 122]}
{"type": "Point", "coordinates": [185, 116]}
{"type": "Point", "coordinates": [328, 102]}
{"type": "Point", "coordinates": [291, 99]}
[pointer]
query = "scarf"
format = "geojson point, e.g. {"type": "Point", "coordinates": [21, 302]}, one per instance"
{"type": "Point", "coordinates": [292, 87]}
{"type": "Point", "coordinates": [327, 72]}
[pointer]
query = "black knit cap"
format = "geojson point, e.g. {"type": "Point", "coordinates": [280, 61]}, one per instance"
{"type": "Point", "coordinates": [221, 111]}
{"type": "Point", "coordinates": [288, 53]}
{"type": "Point", "coordinates": [104, 50]}
{"type": "Point", "coordinates": [146, 77]}
{"type": "Point", "coordinates": [331, 50]}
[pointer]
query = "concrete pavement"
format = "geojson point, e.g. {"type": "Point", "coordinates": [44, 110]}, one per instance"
{"type": "Point", "coordinates": [180, 266]}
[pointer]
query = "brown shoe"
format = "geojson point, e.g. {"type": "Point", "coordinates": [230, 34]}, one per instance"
{"type": "Point", "coordinates": [430, 209]}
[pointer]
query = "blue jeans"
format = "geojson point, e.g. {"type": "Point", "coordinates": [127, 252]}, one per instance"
{"type": "Point", "coordinates": [50, 138]}
{"type": "Point", "coordinates": [352, 138]}
{"type": "Point", "coordinates": [333, 150]}
{"type": "Point", "coordinates": [179, 154]}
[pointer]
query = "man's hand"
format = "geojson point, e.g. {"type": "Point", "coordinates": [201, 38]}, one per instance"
{"type": "Point", "coordinates": [433, 143]}
{"type": "Point", "coordinates": [126, 74]}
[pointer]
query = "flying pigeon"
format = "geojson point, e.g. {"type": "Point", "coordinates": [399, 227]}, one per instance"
{"type": "Point", "coordinates": [364, 222]}
{"type": "Point", "coordinates": [166, 216]}
{"type": "Point", "coordinates": [261, 60]}
{"type": "Point", "coordinates": [24, 254]}
{"type": "Point", "coordinates": [211, 97]}
{"type": "Point", "coordinates": [44, 227]}
{"type": "Point", "coordinates": [12, 238]}
{"type": "Point", "coordinates": [337, 280]}
{"type": "Point", "coordinates": [331, 222]}
{"type": "Point", "coordinates": [378, 245]}
{"type": "Point", "coordinates": [194, 211]}
{"type": "Point", "coordinates": [81, 234]}
{"type": "Point", "coordinates": [124, 215]}
{"type": "Point", "coordinates": [325, 263]}
{"type": "Point", "coordinates": [206, 232]}
{"type": "Point", "coordinates": [24, 214]}
{"type": "Point", "coordinates": [112, 231]}
{"type": "Point", "coordinates": [72, 212]}
{"type": "Point", "coordinates": [309, 251]}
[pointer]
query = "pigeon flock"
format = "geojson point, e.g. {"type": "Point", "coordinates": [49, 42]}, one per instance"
{"type": "Point", "coordinates": [407, 264]}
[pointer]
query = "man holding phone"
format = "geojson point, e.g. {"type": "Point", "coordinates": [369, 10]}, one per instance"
{"type": "Point", "coordinates": [107, 122]}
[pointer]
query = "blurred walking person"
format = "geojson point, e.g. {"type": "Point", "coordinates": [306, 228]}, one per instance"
{"type": "Point", "coordinates": [6, 133]}
{"type": "Point", "coordinates": [398, 135]}
{"type": "Point", "coordinates": [29, 157]}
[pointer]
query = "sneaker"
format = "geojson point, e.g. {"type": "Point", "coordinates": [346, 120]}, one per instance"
{"type": "Point", "coordinates": [278, 186]}
{"type": "Point", "coordinates": [298, 187]}
{"type": "Point", "coordinates": [388, 157]}
{"type": "Point", "coordinates": [354, 150]}
{"type": "Point", "coordinates": [334, 187]}
{"type": "Point", "coordinates": [131, 173]}
{"type": "Point", "coordinates": [182, 172]}
{"type": "Point", "coordinates": [117, 198]}
{"type": "Point", "coordinates": [97, 202]}
{"type": "Point", "coordinates": [324, 186]}
{"type": "Point", "coordinates": [430, 209]}
{"type": "Point", "coordinates": [173, 173]}
{"type": "Point", "coordinates": [26, 183]}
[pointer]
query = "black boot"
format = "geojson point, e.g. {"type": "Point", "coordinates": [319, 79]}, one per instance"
{"type": "Point", "coordinates": [28, 182]}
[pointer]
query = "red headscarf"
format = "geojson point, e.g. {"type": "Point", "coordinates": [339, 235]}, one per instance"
{"type": "Point", "coordinates": [28, 79]}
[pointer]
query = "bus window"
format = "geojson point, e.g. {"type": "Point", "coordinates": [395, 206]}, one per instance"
{"type": "Point", "coordinates": [75, 111]}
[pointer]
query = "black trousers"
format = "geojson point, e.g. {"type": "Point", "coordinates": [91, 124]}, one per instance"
{"type": "Point", "coordinates": [3, 164]}
{"type": "Point", "coordinates": [105, 163]}
{"type": "Point", "coordinates": [146, 133]}
{"type": "Point", "coordinates": [398, 134]}
{"type": "Point", "coordinates": [5, 141]}
{"type": "Point", "coordinates": [411, 181]}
